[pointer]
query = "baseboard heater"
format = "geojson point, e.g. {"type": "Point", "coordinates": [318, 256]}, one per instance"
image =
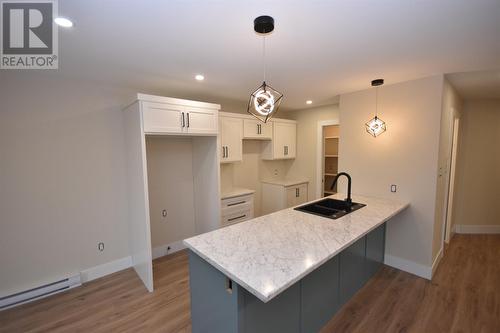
{"type": "Point", "coordinates": [39, 292]}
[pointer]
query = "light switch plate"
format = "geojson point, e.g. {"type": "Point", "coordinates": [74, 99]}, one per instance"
{"type": "Point", "coordinates": [393, 188]}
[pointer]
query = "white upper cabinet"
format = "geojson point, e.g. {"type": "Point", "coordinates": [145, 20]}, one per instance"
{"type": "Point", "coordinates": [164, 115]}
{"type": "Point", "coordinates": [284, 143]}
{"type": "Point", "coordinates": [255, 129]}
{"type": "Point", "coordinates": [231, 138]}
{"type": "Point", "coordinates": [162, 118]}
{"type": "Point", "coordinates": [200, 121]}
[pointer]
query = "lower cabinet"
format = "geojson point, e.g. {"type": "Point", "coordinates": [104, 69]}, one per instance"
{"type": "Point", "coordinates": [237, 209]}
{"type": "Point", "coordinates": [320, 296]}
{"type": "Point", "coordinates": [375, 249]}
{"type": "Point", "coordinates": [352, 269]}
{"type": "Point", "coordinates": [281, 194]}
{"type": "Point", "coordinates": [221, 305]}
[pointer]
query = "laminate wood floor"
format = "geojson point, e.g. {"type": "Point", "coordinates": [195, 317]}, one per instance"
{"type": "Point", "coordinates": [464, 296]}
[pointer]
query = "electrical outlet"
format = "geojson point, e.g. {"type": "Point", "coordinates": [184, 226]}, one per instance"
{"type": "Point", "coordinates": [275, 172]}
{"type": "Point", "coordinates": [100, 246]}
{"type": "Point", "coordinates": [394, 188]}
{"type": "Point", "coordinates": [164, 213]}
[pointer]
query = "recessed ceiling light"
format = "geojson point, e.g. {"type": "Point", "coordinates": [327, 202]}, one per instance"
{"type": "Point", "coordinates": [63, 22]}
{"type": "Point", "coordinates": [199, 77]}
{"type": "Point", "coordinates": [309, 102]}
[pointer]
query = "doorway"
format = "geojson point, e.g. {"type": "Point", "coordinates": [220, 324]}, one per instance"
{"type": "Point", "coordinates": [328, 137]}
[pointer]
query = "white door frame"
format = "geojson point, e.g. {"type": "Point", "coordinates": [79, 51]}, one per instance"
{"type": "Point", "coordinates": [451, 182]}
{"type": "Point", "coordinates": [319, 154]}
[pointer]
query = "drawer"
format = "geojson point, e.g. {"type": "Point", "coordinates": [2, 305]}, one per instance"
{"type": "Point", "coordinates": [240, 207]}
{"type": "Point", "coordinates": [237, 217]}
{"type": "Point", "coordinates": [237, 201]}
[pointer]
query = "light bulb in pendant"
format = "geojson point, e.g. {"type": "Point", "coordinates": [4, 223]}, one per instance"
{"type": "Point", "coordinates": [376, 126]}
{"type": "Point", "coordinates": [264, 102]}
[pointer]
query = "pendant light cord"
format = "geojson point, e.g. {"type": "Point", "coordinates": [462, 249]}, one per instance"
{"type": "Point", "coordinates": [376, 102]}
{"type": "Point", "coordinates": [264, 55]}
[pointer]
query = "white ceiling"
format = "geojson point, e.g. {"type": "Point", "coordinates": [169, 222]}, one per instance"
{"type": "Point", "coordinates": [477, 85]}
{"type": "Point", "coordinates": [319, 48]}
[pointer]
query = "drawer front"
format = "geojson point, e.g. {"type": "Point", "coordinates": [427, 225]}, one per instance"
{"type": "Point", "coordinates": [237, 217]}
{"type": "Point", "coordinates": [237, 208]}
{"type": "Point", "coordinates": [237, 201]}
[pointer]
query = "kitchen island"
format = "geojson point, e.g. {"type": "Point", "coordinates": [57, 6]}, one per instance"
{"type": "Point", "coordinates": [288, 271]}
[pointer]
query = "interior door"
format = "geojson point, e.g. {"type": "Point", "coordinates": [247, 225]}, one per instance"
{"type": "Point", "coordinates": [162, 118]}
{"type": "Point", "coordinates": [201, 121]}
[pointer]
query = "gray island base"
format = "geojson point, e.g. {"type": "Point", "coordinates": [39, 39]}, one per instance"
{"type": "Point", "coordinates": [220, 305]}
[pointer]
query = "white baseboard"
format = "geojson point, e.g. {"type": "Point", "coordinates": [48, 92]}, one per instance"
{"type": "Point", "coordinates": [105, 269]}
{"type": "Point", "coordinates": [437, 260]}
{"type": "Point", "coordinates": [166, 249]}
{"type": "Point", "coordinates": [409, 266]}
{"type": "Point", "coordinates": [477, 229]}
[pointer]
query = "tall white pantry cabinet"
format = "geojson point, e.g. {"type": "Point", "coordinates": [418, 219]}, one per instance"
{"type": "Point", "coordinates": [195, 124]}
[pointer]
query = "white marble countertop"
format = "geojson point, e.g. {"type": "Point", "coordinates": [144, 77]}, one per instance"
{"type": "Point", "coordinates": [285, 182]}
{"type": "Point", "coordinates": [236, 192]}
{"type": "Point", "coordinates": [268, 254]}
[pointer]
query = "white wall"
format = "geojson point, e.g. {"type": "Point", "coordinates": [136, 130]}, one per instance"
{"type": "Point", "coordinates": [477, 194]}
{"type": "Point", "coordinates": [62, 173]}
{"type": "Point", "coordinates": [249, 172]}
{"type": "Point", "coordinates": [305, 165]}
{"type": "Point", "coordinates": [170, 184]}
{"type": "Point", "coordinates": [406, 155]}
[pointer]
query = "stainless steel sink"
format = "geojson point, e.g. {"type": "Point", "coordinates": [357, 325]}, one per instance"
{"type": "Point", "coordinates": [330, 208]}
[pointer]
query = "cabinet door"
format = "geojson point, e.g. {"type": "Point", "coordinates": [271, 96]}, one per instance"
{"type": "Point", "coordinates": [201, 121]}
{"type": "Point", "coordinates": [291, 196]}
{"type": "Point", "coordinates": [231, 130]}
{"type": "Point", "coordinates": [319, 296]}
{"type": "Point", "coordinates": [302, 194]}
{"type": "Point", "coordinates": [352, 269]}
{"type": "Point", "coordinates": [284, 140]}
{"type": "Point", "coordinates": [162, 118]}
{"type": "Point", "coordinates": [255, 129]}
{"type": "Point", "coordinates": [375, 248]}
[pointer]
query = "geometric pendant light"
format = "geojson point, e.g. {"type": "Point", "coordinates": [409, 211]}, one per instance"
{"type": "Point", "coordinates": [376, 126]}
{"type": "Point", "coordinates": [265, 100]}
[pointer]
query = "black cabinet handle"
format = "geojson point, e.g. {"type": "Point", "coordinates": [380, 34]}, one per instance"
{"type": "Point", "coordinates": [227, 151]}
{"type": "Point", "coordinates": [183, 123]}
{"type": "Point", "coordinates": [237, 217]}
{"type": "Point", "coordinates": [223, 152]}
{"type": "Point", "coordinates": [188, 119]}
{"type": "Point", "coordinates": [236, 203]}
